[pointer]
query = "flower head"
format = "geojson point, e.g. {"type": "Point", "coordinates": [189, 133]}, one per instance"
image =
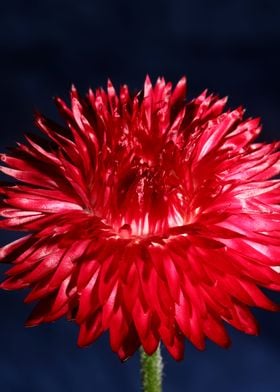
{"type": "Point", "coordinates": [147, 216]}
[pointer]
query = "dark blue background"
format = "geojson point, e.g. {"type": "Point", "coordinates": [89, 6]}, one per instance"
{"type": "Point", "coordinates": [231, 47]}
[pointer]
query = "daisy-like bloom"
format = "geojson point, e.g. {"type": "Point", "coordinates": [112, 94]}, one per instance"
{"type": "Point", "coordinates": [146, 216]}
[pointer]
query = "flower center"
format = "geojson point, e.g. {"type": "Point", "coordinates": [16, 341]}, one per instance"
{"type": "Point", "coordinates": [145, 201]}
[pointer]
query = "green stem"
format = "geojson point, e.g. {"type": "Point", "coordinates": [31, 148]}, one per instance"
{"type": "Point", "coordinates": [151, 371]}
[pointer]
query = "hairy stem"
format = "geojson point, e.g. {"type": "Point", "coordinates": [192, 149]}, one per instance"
{"type": "Point", "coordinates": [151, 371]}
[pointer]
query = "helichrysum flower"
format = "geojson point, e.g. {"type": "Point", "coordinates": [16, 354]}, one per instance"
{"type": "Point", "coordinates": [146, 216]}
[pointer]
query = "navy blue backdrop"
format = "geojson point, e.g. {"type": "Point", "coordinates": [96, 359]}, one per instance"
{"type": "Point", "coordinates": [231, 47]}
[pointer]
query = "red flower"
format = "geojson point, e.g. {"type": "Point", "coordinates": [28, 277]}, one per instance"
{"type": "Point", "coordinates": [148, 217]}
